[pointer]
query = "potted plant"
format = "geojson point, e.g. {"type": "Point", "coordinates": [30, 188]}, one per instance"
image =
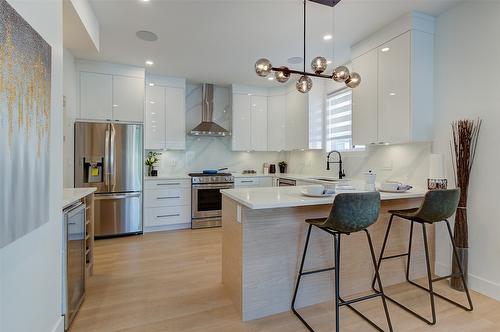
{"type": "Point", "coordinates": [463, 148]}
{"type": "Point", "coordinates": [283, 164]}
{"type": "Point", "coordinates": [151, 161]}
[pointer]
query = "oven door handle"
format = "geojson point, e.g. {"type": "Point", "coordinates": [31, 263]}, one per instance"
{"type": "Point", "coordinates": [212, 186]}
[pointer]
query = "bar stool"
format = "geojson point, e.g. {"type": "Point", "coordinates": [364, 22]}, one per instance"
{"type": "Point", "coordinates": [438, 206]}
{"type": "Point", "coordinates": [351, 212]}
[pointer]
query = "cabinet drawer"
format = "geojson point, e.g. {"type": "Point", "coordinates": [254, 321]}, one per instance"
{"type": "Point", "coordinates": [167, 197]}
{"type": "Point", "coordinates": [170, 183]}
{"type": "Point", "coordinates": [167, 216]}
{"type": "Point", "coordinates": [246, 182]}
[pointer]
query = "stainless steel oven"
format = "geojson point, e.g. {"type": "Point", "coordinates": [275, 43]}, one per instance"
{"type": "Point", "coordinates": [206, 202]}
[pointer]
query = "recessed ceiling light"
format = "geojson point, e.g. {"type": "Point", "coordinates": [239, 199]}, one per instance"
{"type": "Point", "coordinates": [145, 0]}
{"type": "Point", "coordinates": [152, 102]}
{"type": "Point", "coordinates": [146, 35]}
{"type": "Point", "coordinates": [327, 37]}
{"type": "Point", "coordinates": [149, 62]}
{"type": "Point", "coordinates": [392, 94]}
{"type": "Point", "coordinates": [385, 49]}
{"type": "Point", "coordinates": [295, 60]}
{"type": "Point", "coordinates": [151, 84]}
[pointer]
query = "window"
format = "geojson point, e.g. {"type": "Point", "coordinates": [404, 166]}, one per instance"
{"type": "Point", "coordinates": [338, 124]}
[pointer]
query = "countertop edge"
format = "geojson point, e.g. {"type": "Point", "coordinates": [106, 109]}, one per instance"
{"type": "Point", "coordinates": [313, 201]}
{"type": "Point", "coordinates": [71, 195]}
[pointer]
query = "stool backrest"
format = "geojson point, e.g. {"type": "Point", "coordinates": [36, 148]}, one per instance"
{"type": "Point", "coordinates": [353, 212]}
{"type": "Point", "coordinates": [438, 205]}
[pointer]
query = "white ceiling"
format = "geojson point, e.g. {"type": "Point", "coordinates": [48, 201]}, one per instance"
{"type": "Point", "coordinates": [218, 41]}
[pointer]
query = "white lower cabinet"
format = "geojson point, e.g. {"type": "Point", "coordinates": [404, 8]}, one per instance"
{"type": "Point", "coordinates": [167, 204]}
{"type": "Point", "coordinates": [167, 216]}
{"type": "Point", "coordinates": [253, 182]}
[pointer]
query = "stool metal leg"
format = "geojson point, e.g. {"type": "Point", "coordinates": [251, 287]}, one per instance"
{"type": "Point", "coordinates": [381, 257]}
{"type": "Point", "coordinates": [409, 252]}
{"type": "Point", "coordinates": [430, 281]}
{"type": "Point", "coordinates": [301, 270]}
{"type": "Point", "coordinates": [336, 240]}
{"type": "Point", "coordinates": [379, 282]}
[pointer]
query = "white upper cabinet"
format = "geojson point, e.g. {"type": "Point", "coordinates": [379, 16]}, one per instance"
{"type": "Point", "coordinates": [128, 99]}
{"type": "Point", "coordinates": [110, 92]}
{"type": "Point", "coordinates": [273, 119]}
{"type": "Point", "coordinates": [258, 128]}
{"type": "Point", "coordinates": [96, 96]}
{"type": "Point", "coordinates": [394, 90]}
{"type": "Point", "coordinates": [276, 122]}
{"type": "Point", "coordinates": [165, 120]}
{"type": "Point", "coordinates": [241, 134]}
{"type": "Point", "coordinates": [365, 100]}
{"type": "Point", "coordinates": [395, 101]}
{"type": "Point", "coordinates": [155, 120]}
{"type": "Point", "coordinates": [176, 118]}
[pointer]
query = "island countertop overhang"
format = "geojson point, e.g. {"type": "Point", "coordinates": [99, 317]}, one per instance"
{"type": "Point", "coordinates": [283, 197]}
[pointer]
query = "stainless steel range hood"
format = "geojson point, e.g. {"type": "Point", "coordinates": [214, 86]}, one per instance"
{"type": "Point", "coordinates": [207, 127]}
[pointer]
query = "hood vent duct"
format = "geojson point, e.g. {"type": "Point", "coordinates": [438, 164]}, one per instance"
{"type": "Point", "coordinates": [207, 127]}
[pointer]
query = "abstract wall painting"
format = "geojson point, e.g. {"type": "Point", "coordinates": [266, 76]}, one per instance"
{"type": "Point", "coordinates": [25, 102]}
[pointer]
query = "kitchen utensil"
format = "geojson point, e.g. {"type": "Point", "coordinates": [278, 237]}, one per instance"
{"type": "Point", "coordinates": [370, 181]}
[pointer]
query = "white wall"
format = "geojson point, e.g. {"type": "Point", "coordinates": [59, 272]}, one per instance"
{"type": "Point", "coordinates": [467, 86]}
{"type": "Point", "coordinates": [30, 268]}
{"type": "Point", "coordinates": [69, 116]}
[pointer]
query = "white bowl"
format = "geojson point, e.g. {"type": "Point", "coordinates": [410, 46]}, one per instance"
{"type": "Point", "coordinates": [315, 190]}
{"type": "Point", "coordinates": [390, 186]}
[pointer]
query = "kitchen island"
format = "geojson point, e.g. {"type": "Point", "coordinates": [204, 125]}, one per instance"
{"type": "Point", "coordinates": [263, 239]}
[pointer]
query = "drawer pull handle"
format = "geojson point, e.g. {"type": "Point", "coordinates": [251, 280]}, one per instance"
{"type": "Point", "coordinates": [248, 181]}
{"type": "Point", "coordinates": [169, 215]}
{"type": "Point", "coordinates": [168, 184]}
{"type": "Point", "coordinates": [168, 197]}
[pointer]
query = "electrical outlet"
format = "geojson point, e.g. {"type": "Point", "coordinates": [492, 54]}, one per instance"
{"type": "Point", "coordinates": [173, 162]}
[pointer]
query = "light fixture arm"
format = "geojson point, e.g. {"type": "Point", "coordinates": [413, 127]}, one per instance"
{"type": "Point", "coordinates": [304, 36]}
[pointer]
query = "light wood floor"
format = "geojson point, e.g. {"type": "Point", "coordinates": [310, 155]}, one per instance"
{"type": "Point", "coordinates": [171, 281]}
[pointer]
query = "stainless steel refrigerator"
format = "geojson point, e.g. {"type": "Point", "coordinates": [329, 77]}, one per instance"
{"type": "Point", "coordinates": [109, 156]}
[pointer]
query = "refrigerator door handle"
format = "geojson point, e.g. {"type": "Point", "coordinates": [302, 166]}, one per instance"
{"type": "Point", "coordinates": [112, 165]}
{"type": "Point", "coordinates": [114, 197]}
{"type": "Point", "coordinates": [106, 158]}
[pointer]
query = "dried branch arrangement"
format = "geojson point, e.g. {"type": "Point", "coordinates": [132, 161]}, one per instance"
{"type": "Point", "coordinates": [463, 151]}
{"type": "Point", "coordinates": [465, 138]}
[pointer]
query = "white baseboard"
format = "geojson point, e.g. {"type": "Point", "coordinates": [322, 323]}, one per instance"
{"type": "Point", "coordinates": [476, 283]}
{"type": "Point", "coordinates": [166, 227]}
{"type": "Point", "coordinates": [59, 327]}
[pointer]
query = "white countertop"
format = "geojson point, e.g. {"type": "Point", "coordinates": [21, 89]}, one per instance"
{"type": "Point", "coordinates": [71, 195]}
{"type": "Point", "coordinates": [282, 197]}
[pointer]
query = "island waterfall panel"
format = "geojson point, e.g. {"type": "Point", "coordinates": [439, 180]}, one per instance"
{"type": "Point", "coordinates": [261, 254]}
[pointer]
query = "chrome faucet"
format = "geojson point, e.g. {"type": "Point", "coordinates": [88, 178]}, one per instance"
{"type": "Point", "coordinates": [328, 162]}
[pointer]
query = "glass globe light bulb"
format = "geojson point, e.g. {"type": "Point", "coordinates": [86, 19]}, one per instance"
{"type": "Point", "coordinates": [282, 75]}
{"type": "Point", "coordinates": [319, 64]}
{"type": "Point", "coordinates": [304, 84]}
{"type": "Point", "coordinates": [340, 74]}
{"type": "Point", "coordinates": [353, 81]}
{"type": "Point", "coordinates": [263, 67]}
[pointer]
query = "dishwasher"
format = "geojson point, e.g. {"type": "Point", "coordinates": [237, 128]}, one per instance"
{"type": "Point", "coordinates": [73, 261]}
